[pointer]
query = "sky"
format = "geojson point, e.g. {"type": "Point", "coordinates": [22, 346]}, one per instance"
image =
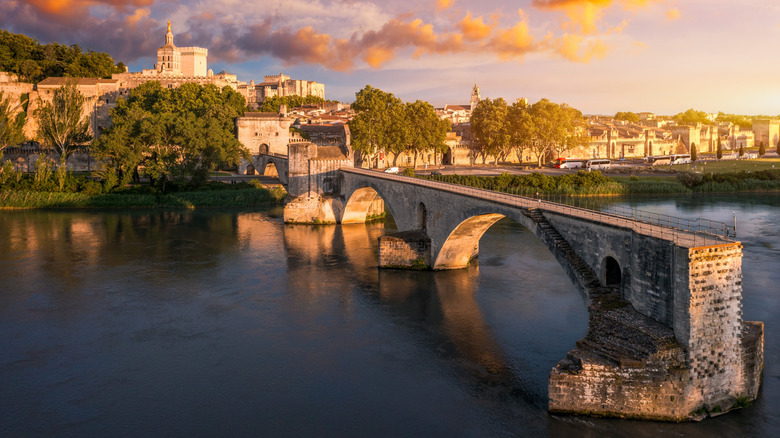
{"type": "Point", "coordinates": [599, 56]}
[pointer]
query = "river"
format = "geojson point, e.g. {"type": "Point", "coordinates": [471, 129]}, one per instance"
{"type": "Point", "coordinates": [229, 323]}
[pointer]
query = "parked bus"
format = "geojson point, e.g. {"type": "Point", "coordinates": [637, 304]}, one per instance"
{"type": "Point", "coordinates": [567, 163]}
{"type": "Point", "coordinates": [598, 164]}
{"type": "Point", "coordinates": [666, 160]}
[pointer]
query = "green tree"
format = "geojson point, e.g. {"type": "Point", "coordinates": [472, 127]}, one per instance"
{"type": "Point", "coordinates": [273, 104]}
{"type": "Point", "coordinates": [34, 62]}
{"type": "Point", "coordinates": [719, 151]}
{"type": "Point", "coordinates": [627, 116]}
{"type": "Point", "coordinates": [490, 128]}
{"type": "Point", "coordinates": [370, 128]}
{"type": "Point", "coordinates": [426, 131]}
{"type": "Point", "coordinates": [694, 154]}
{"type": "Point", "coordinates": [521, 127]}
{"type": "Point", "coordinates": [10, 125]}
{"type": "Point", "coordinates": [761, 149]}
{"type": "Point", "coordinates": [184, 132]}
{"type": "Point", "coordinates": [61, 122]}
{"type": "Point", "coordinates": [558, 128]}
{"type": "Point", "coordinates": [741, 151]}
{"type": "Point", "coordinates": [691, 117]}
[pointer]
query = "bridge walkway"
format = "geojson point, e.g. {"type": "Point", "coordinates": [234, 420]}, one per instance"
{"type": "Point", "coordinates": [680, 237]}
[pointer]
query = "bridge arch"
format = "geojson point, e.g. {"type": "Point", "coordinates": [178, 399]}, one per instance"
{"type": "Point", "coordinates": [357, 207]}
{"type": "Point", "coordinates": [462, 244]}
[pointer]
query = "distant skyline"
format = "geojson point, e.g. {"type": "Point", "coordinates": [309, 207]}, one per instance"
{"type": "Point", "coordinates": [599, 56]}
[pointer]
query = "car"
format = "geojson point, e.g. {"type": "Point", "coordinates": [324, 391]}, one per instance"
{"type": "Point", "coordinates": [392, 170]}
{"type": "Point", "coordinates": [435, 172]}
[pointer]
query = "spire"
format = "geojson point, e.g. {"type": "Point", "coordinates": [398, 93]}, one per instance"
{"type": "Point", "coordinates": [169, 35]}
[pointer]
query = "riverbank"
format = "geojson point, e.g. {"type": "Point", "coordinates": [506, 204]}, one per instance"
{"type": "Point", "coordinates": [241, 197]}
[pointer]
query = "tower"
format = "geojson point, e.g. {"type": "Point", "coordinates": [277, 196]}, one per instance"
{"type": "Point", "coordinates": [475, 98]}
{"type": "Point", "coordinates": [168, 56]}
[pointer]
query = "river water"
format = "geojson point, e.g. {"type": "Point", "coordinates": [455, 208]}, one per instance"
{"type": "Point", "coordinates": [229, 323]}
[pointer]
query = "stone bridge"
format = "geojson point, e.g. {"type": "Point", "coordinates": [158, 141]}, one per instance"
{"type": "Point", "coordinates": [271, 165]}
{"type": "Point", "coordinates": [666, 339]}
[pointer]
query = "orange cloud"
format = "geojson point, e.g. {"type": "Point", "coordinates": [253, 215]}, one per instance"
{"type": "Point", "coordinates": [70, 6]}
{"type": "Point", "coordinates": [585, 15]}
{"type": "Point", "coordinates": [513, 42]}
{"type": "Point", "coordinates": [444, 4]}
{"type": "Point", "coordinates": [474, 29]}
{"type": "Point", "coordinates": [577, 48]}
{"type": "Point", "coordinates": [673, 14]}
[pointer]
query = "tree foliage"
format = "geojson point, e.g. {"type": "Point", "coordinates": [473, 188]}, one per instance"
{"type": "Point", "coordinates": [34, 61]}
{"type": "Point", "coordinates": [61, 122]}
{"type": "Point", "coordinates": [692, 117]}
{"type": "Point", "coordinates": [372, 126]}
{"type": "Point", "coordinates": [383, 123]}
{"type": "Point", "coordinates": [694, 153]}
{"type": "Point", "coordinates": [761, 149]}
{"type": "Point", "coordinates": [719, 151]}
{"type": "Point", "coordinates": [10, 125]}
{"type": "Point", "coordinates": [489, 124]}
{"type": "Point", "coordinates": [627, 116]}
{"type": "Point", "coordinates": [744, 122]}
{"type": "Point", "coordinates": [171, 133]}
{"type": "Point", "coordinates": [274, 103]}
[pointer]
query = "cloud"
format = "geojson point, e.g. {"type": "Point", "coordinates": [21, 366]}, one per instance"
{"type": "Point", "coordinates": [339, 35]}
{"type": "Point", "coordinates": [577, 48]}
{"type": "Point", "coordinates": [673, 14]}
{"type": "Point", "coordinates": [586, 15]}
{"type": "Point", "coordinates": [474, 29]}
{"type": "Point", "coordinates": [444, 4]}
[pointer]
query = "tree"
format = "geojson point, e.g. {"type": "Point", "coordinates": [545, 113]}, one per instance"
{"type": "Point", "coordinates": [694, 155]}
{"type": "Point", "coordinates": [627, 116]}
{"type": "Point", "coordinates": [741, 151]}
{"type": "Point", "coordinates": [719, 152]}
{"type": "Point", "coordinates": [521, 128]}
{"type": "Point", "coordinates": [370, 128]}
{"type": "Point", "coordinates": [761, 149]}
{"type": "Point", "coordinates": [61, 123]}
{"type": "Point", "coordinates": [425, 130]}
{"type": "Point", "coordinates": [777, 148]}
{"type": "Point", "coordinates": [10, 125]}
{"type": "Point", "coordinates": [692, 117]}
{"type": "Point", "coordinates": [489, 125]}
{"type": "Point", "coordinates": [184, 132]}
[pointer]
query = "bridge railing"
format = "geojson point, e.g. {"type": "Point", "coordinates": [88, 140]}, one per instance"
{"type": "Point", "coordinates": [686, 233]}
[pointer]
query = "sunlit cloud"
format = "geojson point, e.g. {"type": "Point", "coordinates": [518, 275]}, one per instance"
{"type": "Point", "coordinates": [444, 4]}
{"type": "Point", "coordinates": [474, 29]}
{"type": "Point", "coordinates": [673, 14]}
{"type": "Point", "coordinates": [577, 48]}
{"type": "Point", "coordinates": [341, 35]}
{"type": "Point", "coordinates": [585, 16]}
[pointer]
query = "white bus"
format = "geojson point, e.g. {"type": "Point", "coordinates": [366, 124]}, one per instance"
{"type": "Point", "coordinates": [598, 164]}
{"type": "Point", "coordinates": [567, 163]}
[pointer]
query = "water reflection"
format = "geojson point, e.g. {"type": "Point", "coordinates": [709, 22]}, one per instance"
{"type": "Point", "coordinates": [213, 323]}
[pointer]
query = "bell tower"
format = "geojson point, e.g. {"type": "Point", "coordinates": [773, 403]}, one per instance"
{"type": "Point", "coordinates": [475, 98]}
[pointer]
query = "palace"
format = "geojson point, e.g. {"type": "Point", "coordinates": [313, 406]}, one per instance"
{"type": "Point", "coordinates": [180, 65]}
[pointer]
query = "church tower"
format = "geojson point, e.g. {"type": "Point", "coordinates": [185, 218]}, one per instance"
{"type": "Point", "coordinates": [475, 98]}
{"type": "Point", "coordinates": [168, 56]}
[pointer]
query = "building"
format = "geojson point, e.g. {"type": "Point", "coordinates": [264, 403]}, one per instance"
{"type": "Point", "coordinates": [279, 85]}
{"type": "Point", "coordinates": [766, 131]}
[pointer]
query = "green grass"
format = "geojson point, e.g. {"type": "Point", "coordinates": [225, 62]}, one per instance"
{"type": "Point", "coordinates": [729, 166]}
{"type": "Point", "coordinates": [250, 197]}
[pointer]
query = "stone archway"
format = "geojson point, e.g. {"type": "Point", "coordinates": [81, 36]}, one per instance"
{"type": "Point", "coordinates": [611, 273]}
